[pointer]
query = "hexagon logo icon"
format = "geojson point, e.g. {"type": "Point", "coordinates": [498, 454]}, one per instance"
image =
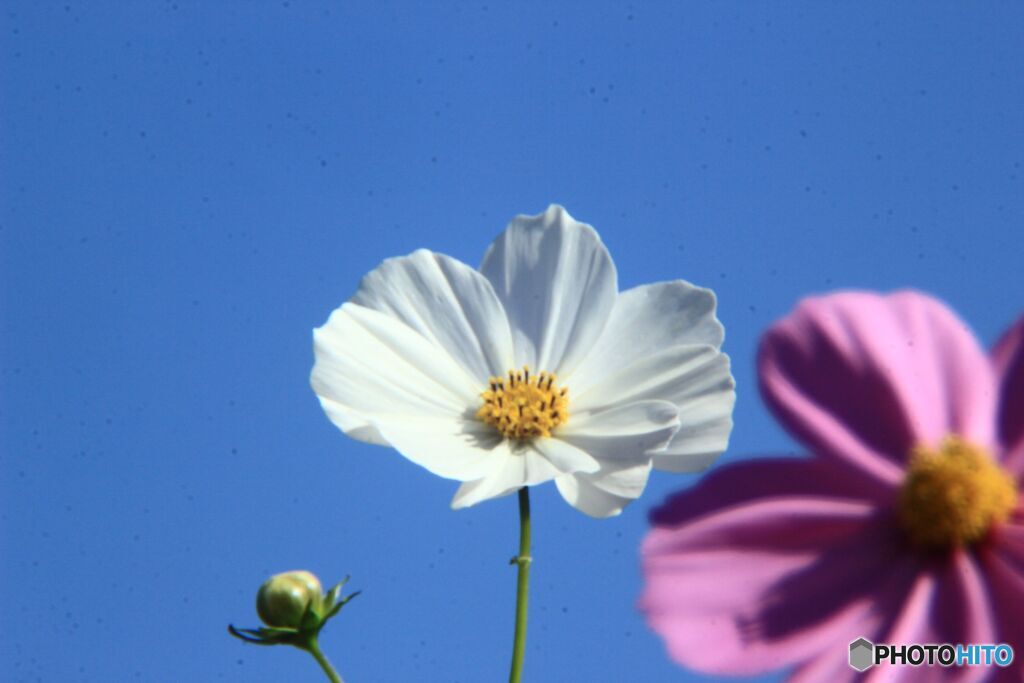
{"type": "Point", "coordinates": [862, 653]}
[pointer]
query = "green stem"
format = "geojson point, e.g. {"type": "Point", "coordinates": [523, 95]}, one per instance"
{"type": "Point", "coordinates": [314, 649]}
{"type": "Point", "coordinates": [523, 560]}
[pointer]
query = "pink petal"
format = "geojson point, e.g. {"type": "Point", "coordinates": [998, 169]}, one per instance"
{"type": "Point", "coordinates": [949, 602]}
{"type": "Point", "coordinates": [829, 667]}
{"type": "Point", "coordinates": [770, 583]}
{"type": "Point", "coordinates": [909, 623]}
{"type": "Point", "coordinates": [966, 612]}
{"type": "Point", "coordinates": [1003, 561]}
{"type": "Point", "coordinates": [862, 378]}
{"type": "Point", "coordinates": [751, 480]}
{"type": "Point", "coordinates": [1008, 539]}
{"type": "Point", "coordinates": [1008, 359]}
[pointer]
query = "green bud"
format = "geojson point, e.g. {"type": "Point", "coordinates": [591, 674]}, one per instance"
{"type": "Point", "coordinates": [284, 598]}
{"type": "Point", "coordinates": [294, 608]}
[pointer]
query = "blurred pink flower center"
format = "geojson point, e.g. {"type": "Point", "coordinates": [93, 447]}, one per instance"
{"type": "Point", "coordinates": [953, 494]}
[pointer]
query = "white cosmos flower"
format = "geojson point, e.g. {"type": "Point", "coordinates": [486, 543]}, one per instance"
{"type": "Point", "coordinates": [420, 359]}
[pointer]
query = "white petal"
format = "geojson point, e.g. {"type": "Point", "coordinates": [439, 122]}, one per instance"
{"type": "Point", "coordinates": [566, 457]}
{"type": "Point", "coordinates": [705, 425]}
{"type": "Point", "coordinates": [641, 423]}
{"type": "Point", "coordinates": [604, 495]}
{"type": "Point", "coordinates": [557, 284]}
{"type": "Point", "coordinates": [621, 438]}
{"type": "Point", "coordinates": [645, 321]}
{"type": "Point", "coordinates": [381, 381]}
{"type": "Point", "coordinates": [697, 380]}
{"type": "Point", "coordinates": [626, 482]}
{"type": "Point", "coordinates": [669, 374]}
{"type": "Point", "coordinates": [350, 423]}
{"type": "Point", "coordinates": [447, 302]}
{"type": "Point", "coordinates": [462, 450]}
{"type": "Point", "coordinates": [375, 364]}
{"type": "Point", "coordinates": [519, 466]}
{"type": "Point", "coordinates": [662, 342]}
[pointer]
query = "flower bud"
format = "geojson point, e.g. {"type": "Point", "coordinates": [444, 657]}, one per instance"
{"type": "Point", "coordinates": [284, 598]}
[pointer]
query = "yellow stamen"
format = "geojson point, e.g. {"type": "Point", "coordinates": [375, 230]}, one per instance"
{"type": "Point", "coordinates": [522, 406]}
{"type": "Point", "coordinates": [952, 496]}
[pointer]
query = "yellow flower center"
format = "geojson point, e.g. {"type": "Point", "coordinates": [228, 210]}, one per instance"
{"type": "Point", "coordinates": [952, 496]}
{"type": "Point", "coordinates": [521, 406]}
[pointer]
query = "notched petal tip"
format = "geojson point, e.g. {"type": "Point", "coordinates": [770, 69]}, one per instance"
{"type": "Point", "coordinates": [555, 216]}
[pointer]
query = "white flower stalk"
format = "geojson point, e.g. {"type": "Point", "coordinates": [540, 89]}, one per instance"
{"type": "Point", "coordinates": [533, 369]}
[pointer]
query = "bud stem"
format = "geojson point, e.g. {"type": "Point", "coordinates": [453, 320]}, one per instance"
{"type": "Point", "coordinates": [523, 560]}
{"type": "Point", "coordinates": [314, 649]}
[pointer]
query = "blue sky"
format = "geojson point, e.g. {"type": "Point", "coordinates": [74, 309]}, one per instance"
{"type": "Point", "coordinates": [189, 188]}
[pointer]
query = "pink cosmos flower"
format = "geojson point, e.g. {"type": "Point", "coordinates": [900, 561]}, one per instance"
{"type": "Point", "coordinates": [905, 526]}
